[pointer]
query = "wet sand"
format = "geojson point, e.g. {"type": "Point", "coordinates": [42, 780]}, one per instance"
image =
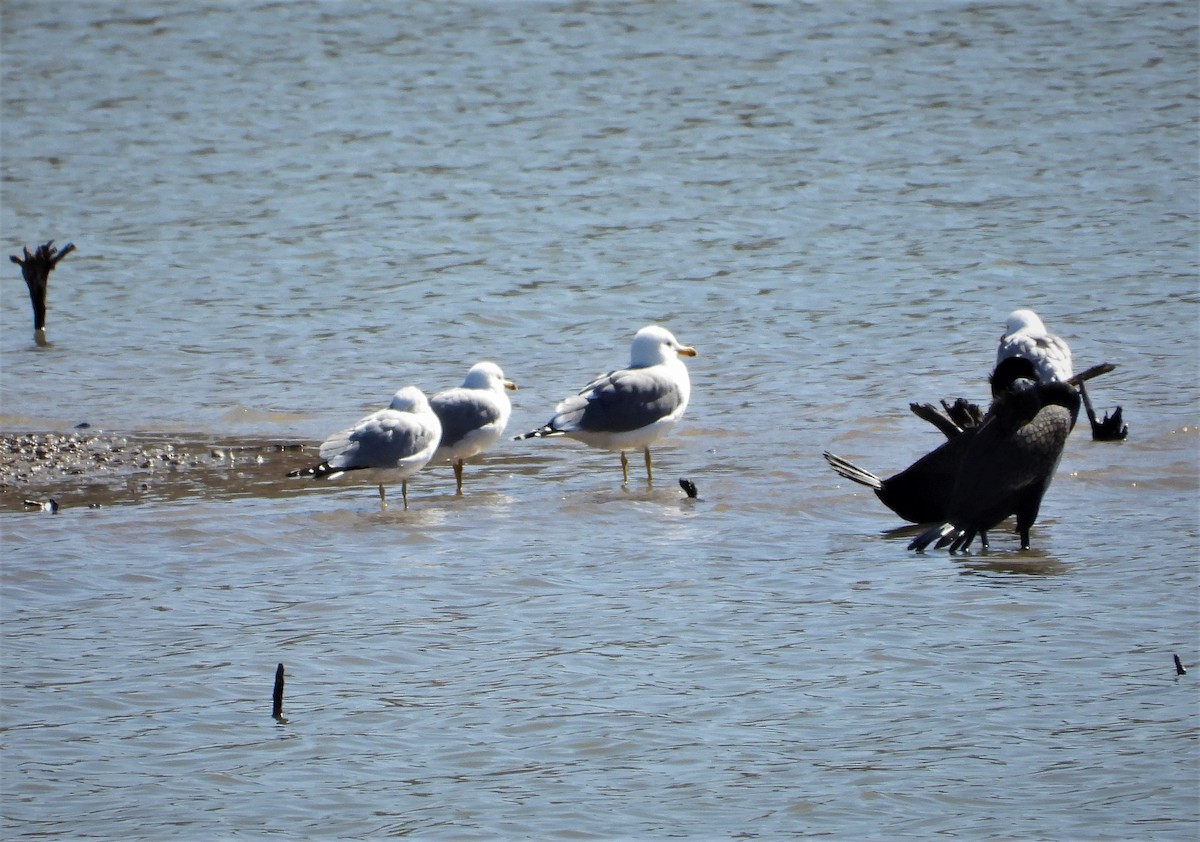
{"type": "Point", "coordinates": [86, 469]}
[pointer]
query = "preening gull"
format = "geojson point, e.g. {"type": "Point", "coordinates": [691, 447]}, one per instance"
{"type": "Point", "coordinates": [473, 415]}
{"type": "Point", "coordinates": [631, 407]}
{"type": "Point", "coordinates": [391, 444]}
{"type": "Point", "coordinates": [922, 492]}
{"type": "Point", "coordinates": [1026, 336]}
{"type": "Point", "coordinates": [1008, 464]}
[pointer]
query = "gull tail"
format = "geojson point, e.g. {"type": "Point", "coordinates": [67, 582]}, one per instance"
{"type": "Point", "coordinates": [852, 472]}
{"type": "Point", "coordinates": [325, 471]}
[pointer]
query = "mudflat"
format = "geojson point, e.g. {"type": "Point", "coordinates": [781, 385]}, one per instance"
{"type": "Point", "coordinates": [86, 468]}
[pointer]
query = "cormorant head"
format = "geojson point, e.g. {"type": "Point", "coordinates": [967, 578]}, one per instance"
{"type": "Point", "coordinates": [1009, 371]}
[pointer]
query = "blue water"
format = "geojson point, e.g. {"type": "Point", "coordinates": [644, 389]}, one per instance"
{"type": "Point", "coordinates": [285, 212]}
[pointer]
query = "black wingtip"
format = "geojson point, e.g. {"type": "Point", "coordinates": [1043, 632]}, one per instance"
{"type": "Point", "coordinates": [326, 470]}
{"type": "Point", "coordinates": [317, 471]}
{"type": "Point", "coordinates": [539, 433]}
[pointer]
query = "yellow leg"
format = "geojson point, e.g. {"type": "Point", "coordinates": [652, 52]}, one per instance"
{"type": "Point", "coordinates": [649, 470]}
{"type": "Point", "coordinates": [382, 497]}
{"type": "Point", "coordinates": [458, 469]}
{"type": "Point", "coordinates": [404, 492]}
{"type": "Point", "coordinates": [624, 469]}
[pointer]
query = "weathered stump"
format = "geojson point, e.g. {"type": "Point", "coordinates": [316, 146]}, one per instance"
{"type": "Point", "coordinates": [36, 268]}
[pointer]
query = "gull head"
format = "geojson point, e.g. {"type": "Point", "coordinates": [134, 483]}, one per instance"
{"type": "Point", "coordinates": [409, 399]}
{"type": "Point", "coordinates": [1024, 321]}
{"type": "Point", "coordinates": [654, 345]}
{"type": "Point", "coordinates": [487, 375]}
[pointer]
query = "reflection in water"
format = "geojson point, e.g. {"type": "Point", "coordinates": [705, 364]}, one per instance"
{"type": "Point", "coordinates": [1017, 562]}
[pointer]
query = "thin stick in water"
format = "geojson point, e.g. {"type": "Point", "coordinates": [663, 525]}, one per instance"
{"type": "Point", "coordinates": [277, 696]}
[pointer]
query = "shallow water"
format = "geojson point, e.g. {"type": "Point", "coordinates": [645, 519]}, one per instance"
{"type": "Point", "coordinates": [283, 213]}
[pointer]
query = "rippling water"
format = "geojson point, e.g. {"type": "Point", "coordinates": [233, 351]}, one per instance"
{"type": "Point", "coordinates": [284, 212]}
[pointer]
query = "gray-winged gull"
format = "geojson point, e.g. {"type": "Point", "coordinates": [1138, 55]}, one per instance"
{"type": "Point", "coordinates": [391, 444]}
{"type": "Point", "coordinates": [631, 407]}
{"type": "Point", "coordinates": [1026, 336]}
{"type": "Point", "coordinates": [473, 415]}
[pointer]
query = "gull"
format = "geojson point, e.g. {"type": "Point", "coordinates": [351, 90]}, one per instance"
{"type": "Point", "coordinates": [392, 444]}
{"type": "Point", "coordinates": [35, 269]}
{"type": "Point", "coordinates": [1008, 464]}
{"type": "Point", "coordinates": [473, 416]}
{"type": "Point", "coordinates": [631, 407]}
{"type": "Point", "coordinates": [921, 493]}
{"type": "Point", "coordinates": [1025, 335]}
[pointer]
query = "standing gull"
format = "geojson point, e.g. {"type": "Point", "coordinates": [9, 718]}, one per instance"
{"type": "Point", "coordinates": [391, 444]}
{"type": "Point", "coordinates": [631, 407]}
{"type": "Point", "coordinates": [473, 415]}
{"type": "Point", "coordinates": [1026, 336]}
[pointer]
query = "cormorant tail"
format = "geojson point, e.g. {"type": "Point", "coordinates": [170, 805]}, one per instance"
{"type": "Point", "coordinates": [852, 472]}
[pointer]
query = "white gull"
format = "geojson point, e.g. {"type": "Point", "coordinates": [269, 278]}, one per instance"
{"type": "Point", "coordinates": [632, 407]}
{"type": "Point", "coordinates": [473, 415]}
{"type": "Point", "coordinates": [391, 444]}
{"type": "Point", "coordinates": [1026, 336]}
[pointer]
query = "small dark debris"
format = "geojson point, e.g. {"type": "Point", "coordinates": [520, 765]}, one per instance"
{"type": "Point", "coordinates": [689, 488]}
{"type": "Point", "coordinates": [1180, 669]}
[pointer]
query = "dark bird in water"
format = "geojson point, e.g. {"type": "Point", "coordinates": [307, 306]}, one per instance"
{"type": "Point", "coordinates": [921, 492]}
{"type": "Point", "coordinates": [36, 268]}
{"type": "Point", "coordinates": [391, 444]}
{"type": "Point", "coordinates": [1008, 464]}
{"type": "Point", "coordinates": [1026, 336]}
{"type": "Point", "coordinates": [630, 408]}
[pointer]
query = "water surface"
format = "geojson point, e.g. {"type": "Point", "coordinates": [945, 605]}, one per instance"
{"type": "Point", "coordinates": [284, 212]}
